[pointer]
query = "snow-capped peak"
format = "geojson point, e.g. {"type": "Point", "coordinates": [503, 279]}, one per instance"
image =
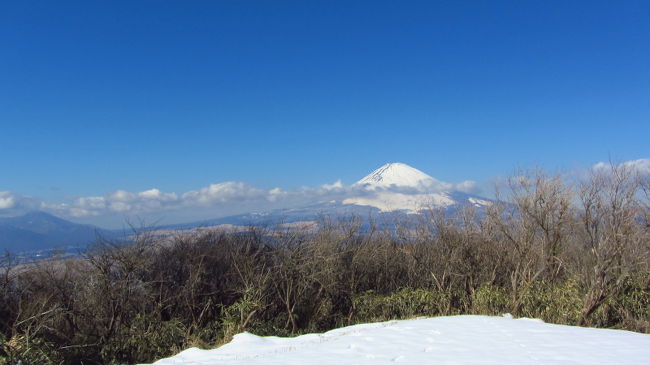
{"type": "Point", "coordinates": [398, 186]}
{"type": "Point", "coordinates": [397, 175]}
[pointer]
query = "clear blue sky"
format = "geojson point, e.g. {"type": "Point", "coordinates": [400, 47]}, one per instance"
{"type": "Point", "coordinates": [97, 96]}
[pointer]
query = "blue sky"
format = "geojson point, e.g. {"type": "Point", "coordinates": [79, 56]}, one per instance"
{"type": "Point", "coordinates": [97, 97]}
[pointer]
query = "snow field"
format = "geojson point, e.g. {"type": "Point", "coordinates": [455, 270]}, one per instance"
{"type": "Point", "coordinates": [442, 340]}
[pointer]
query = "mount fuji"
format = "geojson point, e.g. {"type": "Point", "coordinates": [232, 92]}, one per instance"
{"type": "Point", "coordinates": [390, 189]}
{"type": "Point", "coordinates": [400, 187]}
{"type": "Point", "coordinates": [397, 174]}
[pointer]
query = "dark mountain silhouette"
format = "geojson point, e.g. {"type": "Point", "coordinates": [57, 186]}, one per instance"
{"type": "Point", "coordinates": [42, 231]}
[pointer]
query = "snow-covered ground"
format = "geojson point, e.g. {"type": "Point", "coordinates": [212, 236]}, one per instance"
{"type": "Point", "coordinates": [442, 340]}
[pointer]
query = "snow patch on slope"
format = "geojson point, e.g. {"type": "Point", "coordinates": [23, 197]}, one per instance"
{"type": "Point", "coordinates": [479, 202]}
{"type": "Point", "coordinates": [443, 340]}
{"type": "Point", "coordinates": [411, 203]}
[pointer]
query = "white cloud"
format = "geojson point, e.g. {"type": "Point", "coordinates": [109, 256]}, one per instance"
{"type": "Point", "coordinates": [122, 201]}
{"type": "Point", "coordinates": [467, 186]}
{"type": "Point", "coordinates": [337, 185]}
{"type": "Point", "coordinates": [222, 193]}
{"type": "Point", "coordinates": [7, 200]}
{"type": "Point", "coordinates": [81, 212]}
{"type": "Point", "coordinates": [91, 202]}
{"type": "Point", "coordinates": [230, 195]}
{"type": "Point", "coordinates": [640, 166]}
{"type": "Point", "coordinates": [276, 194]}
{"type": "Point", "coordinates": [12, 203]}
{"type": "Point", "coordinates": [157, 195]}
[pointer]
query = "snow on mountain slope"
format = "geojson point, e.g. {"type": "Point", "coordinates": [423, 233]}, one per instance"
{"type": "Point", "coordinates": [411, 203]}
{"type": "Point", "coordinates": [397, 186]}
{"type": "Point", "coordinates": [397, 175]}
{"type": "Point", "coordinates": [443, 340]}
{"type": "Point", "coordinates": [479, 202]}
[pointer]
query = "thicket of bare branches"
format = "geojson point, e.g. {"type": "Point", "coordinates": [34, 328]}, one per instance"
{"type": "Point", "coordinates": [573, 254]}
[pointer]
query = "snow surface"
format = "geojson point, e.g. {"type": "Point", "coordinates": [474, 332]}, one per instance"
{"type": "Point", "coordinates": [411, 203]}
{"type": "Point", "coordinates": [443, 340]}
{"type": "Point", "coordinates": [397, 175]}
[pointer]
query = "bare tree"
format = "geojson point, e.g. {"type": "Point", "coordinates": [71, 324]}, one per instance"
{"type": "Point", "coordinates": [609, 227]}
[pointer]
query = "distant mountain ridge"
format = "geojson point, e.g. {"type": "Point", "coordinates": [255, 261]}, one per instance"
{"type": "Point", "coordinates": [42, 231]}
{"type": "Point", "coordinates": [394, 188]}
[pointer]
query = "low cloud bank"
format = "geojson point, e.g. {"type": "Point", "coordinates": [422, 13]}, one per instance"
{"type": "Point", "coordinates": [13, 203]}
{"type": "Point", "coordinates": [640, 166]}
{"type": "Point", "coordinates": [220, 195]}
{"type": "Point", "coordinates": [231, 193]}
